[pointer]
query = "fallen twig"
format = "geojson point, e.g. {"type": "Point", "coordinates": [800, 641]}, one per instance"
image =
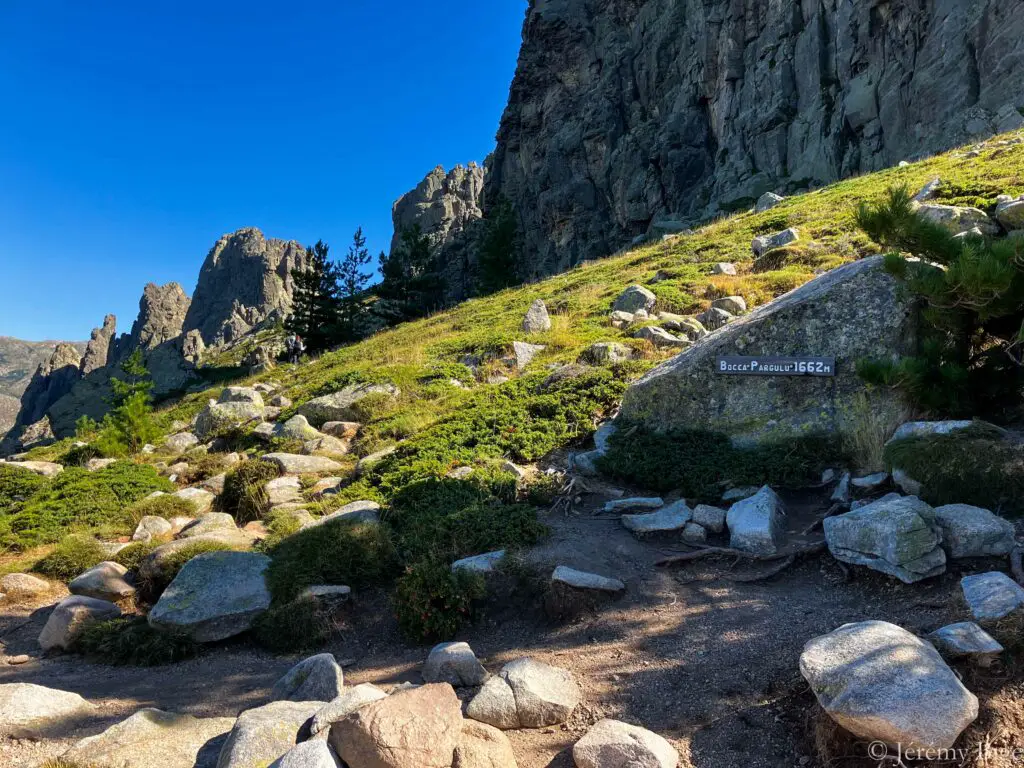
{"type": "Point", "coordinates": [773, 571]}
{"type": "Point", "coordinates": [699, 554]}
{"type": "Point", "coordinates": [834, 509]}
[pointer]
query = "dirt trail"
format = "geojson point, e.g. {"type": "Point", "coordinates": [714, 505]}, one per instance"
{"type": "Point", "coordinates": [708, 663]}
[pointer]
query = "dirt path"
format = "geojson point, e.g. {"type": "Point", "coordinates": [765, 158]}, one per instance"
{"type": "Point", "coordinates": [708, 663]}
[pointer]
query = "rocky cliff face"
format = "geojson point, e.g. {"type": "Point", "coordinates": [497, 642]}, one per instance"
{"type": "Point", "coordinates": [443, 204]}
{"type": "Point", "coordinates": [100, 346]}
{"type": "Point", "coordinates": [245, 280]}
{"type": "Point", "coordinates": [626, 112]}
{"type": "Point", "coordinates": [52, 381]}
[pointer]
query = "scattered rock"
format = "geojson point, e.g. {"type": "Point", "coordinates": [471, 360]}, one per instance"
{"type": "Point", "coordinates": [262, 735]}
{"type": "Point", "coordinates": [367, 462]}
{"type": "Point", "coordinates": [483, 746]}
{"type": "Point", "coordinates": [992, 596]}
{"type": "Point", "coordinates": [710, 518]}
{"type": "Point", "coordinates": [1010, 213]}
{"type": "Point", "coordinates": [30, 711]}
{"type": "Point", "coordinates": [70, 617]}
{"type": "Point", "coordinates": [956, 219]}
{"type": "Point", "coordinates": [690, 327]}
{"type": "Point", "coordinates": [215, 596]}
{"type": "Point", "coordinates": [211, 522]}
{"type": "Point", "coordinates": [724, 268]}
{"type": "Point", "coordinates": [635, 298]}
{"type": "Point", "coordinates": [418, 728]}
{"type": "Point", "coordinates": [181, 442]}
{"type": "Point", "coordinates": [524, 353]}
{"type": "Point", "coordinates": [339, 405]}
{"type": "Point", "coordinates": [106, 581]}
{"type": "Point", "coordinates": [734, 305]}
{"type": "Point", "coordinates": [537, 319]}
{"type": "Point", "coordinates": [485, 563]}
{"type": "Point", "coordinates": [882, 683]}
{"type": "Point", "coordinates": [694, 534]}
{"type": "Point", "coordinates": [928, 428]}
{"type": "Point", "coordinates": [906, 483]}
{"type": "Point", "coordinates": [614, 744]}
{"type": "Point", "coordinates": [842, 494]}
{"type": "Point", "coordinates": [757, 524]}
{"type": "Point", "coordinates": [218, 418]}
{"type": "Point", "coordinates": [295, 464]}
{"type": "Point", "coordinates": [318, 678]}
{"type": "Point", "coordinates": [621, 505]}
{"type": "Point", "coordinates": [765, 243]}
{"type": "Point", "coordinates": [495, 705]}
{"type": "Point", "coordinates": [325, 487]}
{"type": "Point", "coordinates": [357, 511]}
{"type": "Point", "coordinates": [974, 532]}
{"type": "Point", "coordinates": [606, 353]}
{"type": "Point", "coordinates": [44, 468]}
{"type": "Point", "coordinates": [957, 641]}
{"type": "Point", "coordinates": [329, 593]}
{"type": "Point", "coordinates": [280, 401]}
{"type": "Point", "coordinates": [870, 483]}
{"type": "Point", "coordinates": [284, 490]}
{"type": "Point", "coordinates": [343, 705]}
{"type": "Point", "coordinates": [296, 428]}
{"type": "Point", "coordinates": [672, 517]}
{"type": "Point", "coordinates": [343, 430]}
{"type": "Point", "coordinates": [570, 577]}
{"type": "Point", "coordinates": [739, 494]}
{"type": "Point", "coordinates": [241, 395]}
{"type": "Point", "coordinates": [24, 585]}
{"type": "Point", "coordinates": [454, 663]}
{"type": "Point", "coordinates": [326, 444]}
{"type": "Point", "coordinates": [95, 465]}
{"type": "Point", "coordinates": [659, 337]}
{"type": "Point", "coordinates": [715, 318]}
{"type": "Point", "coordinates": [543, 695]}
{"type": "Point", "coordinates": [767, 201]}
{"type": "Point", "coordinates": [309, 754]}
{"type": "Point", "coordinates": [150, 738]}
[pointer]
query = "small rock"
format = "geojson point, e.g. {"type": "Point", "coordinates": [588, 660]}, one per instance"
{"type": "Point", "coordinates": [284, 490]}
{"type": "Point", "coordinates": [17, 661]}
{"type": "Point", "coordinates": [710, 518]}
{"type": "Point", "coordinates": [325, 487]}
{"type": "Point", "coordinates": [95, 465]}
{"type": "Point", "coordinates": [606, 353]}
{"type": "Point", "coordinates": [181, 442]}
{"type": "Point", "coordinates": [928, 428]}
{"type": "Point", "coordinates": [761, 245]}
{"type": "Point", "coordinates": [620, 319]}
{"type": "Point", "coordinates": [106, 581]}
{"type": "Point", "coordinates": [356, 511]}
{"type": "Point", "coordinates": [70, 617]}
{"type": "Point", "coordinates": [537, 319]}
{"type": "Point", "coordinates": [1010, 213]}
{"type": "Point", "coordinates": [724, 268]}
{"type": "Point", "coordinates": [318, 678]}
{"type": "Point", "coordinates": [483, 746]}
{"type": "Point", "coordinates": [906, 483]}
{"type": "Point", "coordinates": [870, 483]}
{"type": "Point", "coordinates": [583, 580]}
{"type": "Point", "coordinates": [992, 596]}
{"type": "Point", "coordinates": [673, 517]}
{"type": "Point", "coordinates": [309, 754]}
{"type": "Point", "coordinates": [326, 444]}
{"type": "Point", "coordinates": [241, 395]}
{"type": "Point", "coordinates": [767, 201]}
{"type": "Point", "coordinates": [280, 401]}
{"type": "Point", "coordinates": [614, 744]}
{"type": "Point", "coordinates": [715, 318]}
{"type": "Point", "coordinates": [738, 494]}
{"type": "Point", "coordinates": [659, 337]}
{"type": "Point", "coordinates": [734, 305]}
{"type": "Point", "coordinates": [24, 585]}
{"type": "Point", "coordinates": [296, 464]}
{"type": "Point", "coordinates": [454, 663]}
{"type": "Point", "coordinates": [635, 298]}
{"type": "Point", "coordinates": [332, 593]}
{"type": "Point", "coordinates": [211, 522]}
{"type": "Point", "coordinates": [974, 532]}
{"type": "Point", "coordinates": [956, 641]}
{"type": "Point", "coordinates": [524, 353]}
{"type": "Point", "coordinates": [694, 534]}
{"type": "Point", "coordinates": [296, 428]}
{"type": "Point", "coordinates": [956, 219]}
{"type": "Point", "coordinates": [343, 430]}
{"type": "Point", "coordinates": [928, 191]}
{"type": "Point", "coordinates": [485, 563]}
{"type": "Point", "coordinates": [841, 494]}
{"type": "Point", "coordinates": [757, 524]}
{"type": "Point", "coordinates": [201, 499]}
{"type": "Point", "coordinates": [621, 505]}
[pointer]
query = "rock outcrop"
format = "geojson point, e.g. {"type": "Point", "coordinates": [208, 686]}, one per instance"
{"type": "Point", "coordinates": [245, 280]}
{"type": "Point", "coordinates": [101, 346]}
{"type": "Point", "coordinates": [52, 381]}
{"type": "Point", "coordinates": [853, 312]}
{"type": "Point", "coordinates": [626, 113]}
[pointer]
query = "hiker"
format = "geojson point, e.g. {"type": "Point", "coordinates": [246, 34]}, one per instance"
{"type": "Point", "coordinates": [295, 347]}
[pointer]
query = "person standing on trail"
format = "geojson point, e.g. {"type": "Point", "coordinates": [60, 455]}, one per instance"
{"type": "Point", "coordinates": [297, 347]}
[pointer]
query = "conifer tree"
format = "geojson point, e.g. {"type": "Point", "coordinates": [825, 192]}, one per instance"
{"type": "Point", "coordinates": [353, 280]}
{"type": "Point", "coordinates": [412, 286]}
{"type": "Point", "coordinates": [499, 249]}
{"type": "Point", "coordinates": [315, 300]}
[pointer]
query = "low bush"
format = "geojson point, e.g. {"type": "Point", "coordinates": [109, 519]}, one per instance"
{"type": "Point", "coordinates": [353, 554]}
{"type": "Point", "coordinates": [80, 455]}
{"type": "Point", "coordinates": [700, 464]}
{"type": "Point", "coordinates": [975, 466]}
{"type": "Point", "coordinates": [204, 467]}
{"type": "Point", "coordinates": [245, 495]}
{"type": "Point", "coordinates": [96, 501]}
{"type": "Point", "coordinates": [296, 626]}
{"type": "Point", "coordinates": [165, 506]}
{"type": "Point", "coordinates": [131, 557]}
{"type": "Point", "coordinates": [130, 641]}
{"type": "Point", "coordinates": [432, 602]}
{"type": "Point", "coordinates": [17, 485]}
{"type": "Point", "coordinates": [73, 556]}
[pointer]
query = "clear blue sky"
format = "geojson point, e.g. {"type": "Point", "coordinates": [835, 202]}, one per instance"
{"type": "Point", "coordinates": [134, 134]}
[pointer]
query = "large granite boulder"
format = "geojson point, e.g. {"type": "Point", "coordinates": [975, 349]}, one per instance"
{"type": "Point", "coordinates": [158, 566]}
{"type": "Point", "coordinates": [262, 735]}
{"type": "Point", "coordinates": [611, 743]}
{"type": "Point", "coordinates": [217, 418]}
{"type": "Point", "coordinates": [882, 683]}
{"type": "Point", "coordinates": [338, 405]}
{"type": "Point", "coordinates": [70, 617]}
{"type": "Point", "coordinates": [29, 711]}
{"type": "Point", "coordinates": [106, 581]}
{"type": "Point", "coordinates": [299, 464]}
{"type": "Point", "coordinates": [344, 705]}
{"type": "Point", "coordinates": [853, 312]}
{"type": "Point", "coordinates": [537, 319]}
{"type": "Point", "coordinates": [415, 728]}
{"type": "Point", "coordinates": [974, 532]}
{"type": "Point", "coordinates": [897, 535]}
{"type": "Point", "coordinates": [154, 738]}
{"type": "Point", "coordinates": [318, 678]}
{"type": "Point", "coordinates": [215, 596]}
{"type": "Point", "coordinates": [526, 694]}
{"type": "Point", "coordinates": [308, 754]}
{"type": "Point", "coordinates": [757, 524]}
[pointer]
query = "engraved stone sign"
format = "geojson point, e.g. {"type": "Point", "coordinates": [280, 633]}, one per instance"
{"type": "Point", "coordinates": [769, 365]}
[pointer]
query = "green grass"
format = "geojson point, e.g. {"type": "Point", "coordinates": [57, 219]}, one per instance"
{"type": "Point", "coordinates": [245, 496]}
{"type": "Point", "coordinates": [165, 506]}
{"type": "Point", "coordinates": [73, 556]}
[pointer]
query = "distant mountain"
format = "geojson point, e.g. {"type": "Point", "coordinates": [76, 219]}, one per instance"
{"type": "Point", "coordinates": [20, 359]}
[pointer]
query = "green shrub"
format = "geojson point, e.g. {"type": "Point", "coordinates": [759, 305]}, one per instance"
{"type": "Point", "coordinates": [165, 506]}
{"type": "Point", "coordinates": [450, 372]}
{"type": "Point", "coordinates": [543, 489]}
{"type": "Point", "coordinates": [371, 407]}
{"type": "Point", "coordinates": [17, 485]}
{"type": "Point", "coordinates": [131, 557]}
{"type": "Point", "coordinates": [975, 466]}
{"type": "Point", "coordinates": [300, 625]}
{"type": "Point", "coordinates": [339, 552]}
{"type": "Point", "coordinates": [97, 501]}
{"type": "Point", "coordinates": [700, 464]}
{"type": "Point", "coordinates": [203, 467]}
{"type": "Point", "coordinates": [245, 495]}
{"type": "Point", "coordinates": [431, 602]}
{"type": "Point", "coordinates": [73, 556]}
{"type": "Point", "coordinates": [130, 641]}
{"type": "Point", "coordinates": [80, 455]}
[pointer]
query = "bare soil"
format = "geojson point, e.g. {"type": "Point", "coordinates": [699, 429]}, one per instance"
{"type": "Point", "coordinates": [709, 663]}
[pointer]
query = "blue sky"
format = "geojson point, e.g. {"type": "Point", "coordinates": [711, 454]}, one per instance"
{"type": "Point", "coordinates": [134, 134]}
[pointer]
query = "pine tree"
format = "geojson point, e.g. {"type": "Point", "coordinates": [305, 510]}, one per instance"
{"type": "Point", "coordinates": [499, 249]}
{"type": "Point", "coordinates": [315, 300]}
{"type": "Point", "coordinates": [353, 280]}
{"type": "Point", "coordinates": [129, 425]}
{"type": "Point", "coordinates": [412, 286]}
{"type": "Point", "coordinates": [972, 331]}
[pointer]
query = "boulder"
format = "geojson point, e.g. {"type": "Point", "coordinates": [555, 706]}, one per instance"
{"type": "Point", "coordinates": [633, 502]}
{"type": "Point", "coordinates": [715, 318]}
{"type": "Point", "coordinates": [326, 444]}
{"type": "Point", "coordinates": [929, 428]}
{"type": "Point", "coordinates": [106, 581]}
{"type": "Point", "coordinates": [318, 678]}
{"type": "Point", "coordinates": [733, 495]}
{"type": "Point", "coordinates": [241, 395]}
{"type": "Point", "coordinates": [710, 518]}
{"type": "Point", "coordinates": [262, 735]}
{"type": "Point", "coordinates": [325, 486]}
{"type": "Point", "coordinates": [296, 428]}
{"type": "Point", "coordinates": [734, 305]}
{"type": "Point", "coordinates": [155, 567]}
{"type": "Point", "coordinates": [218, 418]}
{"type": "Point", "coordinates": [761, 245]}
{"type": "Point", "coordinates": [211, 522]}
{"type": "Point", "coordinates": [308, 754]}
{"type": "Point", "coordinates": [215, 596]}
{"type": "Point", "coordinates": [672, 517]}
{"type": "Point", "coordinates": [606, 353]}
{"type": "Point", "coordinates": [416, 728]}
{"type": "Point", "coordinates": [570, 577]}
{"type": "Point", "coordinates": [992, 596]}
{"type": "Point", "coordinates": [724, 268]}
{"type": "Point", "coordinates": [338, 406]}
{"type": "Point", "coordinates": [150, 738]}
{"type": "Point", "coordinates": [767, 201]}
{"type": "Point", "coordinates": [214, 484]}
{"type": "Point", "coordinates": [495, 705]}
{"type": "Point", "coordinates": [356, 512]}
{"type": "Point", "coordinates": [956, 219]}
{"type": "Point", "coordinates": [95, 465]}
{"type": "Point", "coordinates": [485, 563]}
{"type": "Point", "coordinates": [690, 327]}
{"type": "Point", "coordinates": [523, 353]}
{"type": "Point", "coordinates": [842, 494]}
{"type": "Point", "coordinates": [882, 683]}
{"type": "Point", "coordinates": [619, 319]}
{"type": "Point", "coordinates": [1010, 213]}
{"type": "Point", "coordinates": [70, 617]}
{"type": "Point", "coordinates": [343, 430]}
{"type": "Point", "coordinates": [614, 744]}
{"type": "Point", "coordinates": [344, 705]}
{"type": "Point", "coordinates": [974, 532]}
{"type": "Point", "coordinates": [896, 535]}
{"type": "Point", "coordinates": [181, 442]}
{"type": "Point", "coordinates": [284, 490]}
{"type": "Point", "coordinates": [757, 524]}
{"type": "Point", "coordinates": [855, 311]}
{"type": "Point", "coordinates": [659, 337]}
{"type": "Point", "coordinates": [483, 746]}
{"type": "Point", "coordinates": [870, 483]}
{"type": "Point", "coordinates": [29, 711]}
{"type": "Point", "coordinates": [366, 463]}
{"type": "Point", "coordinates": [280, 401]}
{"type": "Point", "coordinates": [694, 534]}
{"type": "Point", "coordinates": [965, 639]}
{"type": "Point", "coordinates": [44, 468]}
{"type": "Point", "coordinates": [296, 464]}
{"type": "Point", "coordinates": [537, 319]}
{"type": "Point", "coordinates": [24, 585]}
{"type": "Point", "coordinates": [634, 299]}
{"type": "Point", "coordinates": [454, 663]}
{"type": "Point", "coordinates": [526, 694]}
